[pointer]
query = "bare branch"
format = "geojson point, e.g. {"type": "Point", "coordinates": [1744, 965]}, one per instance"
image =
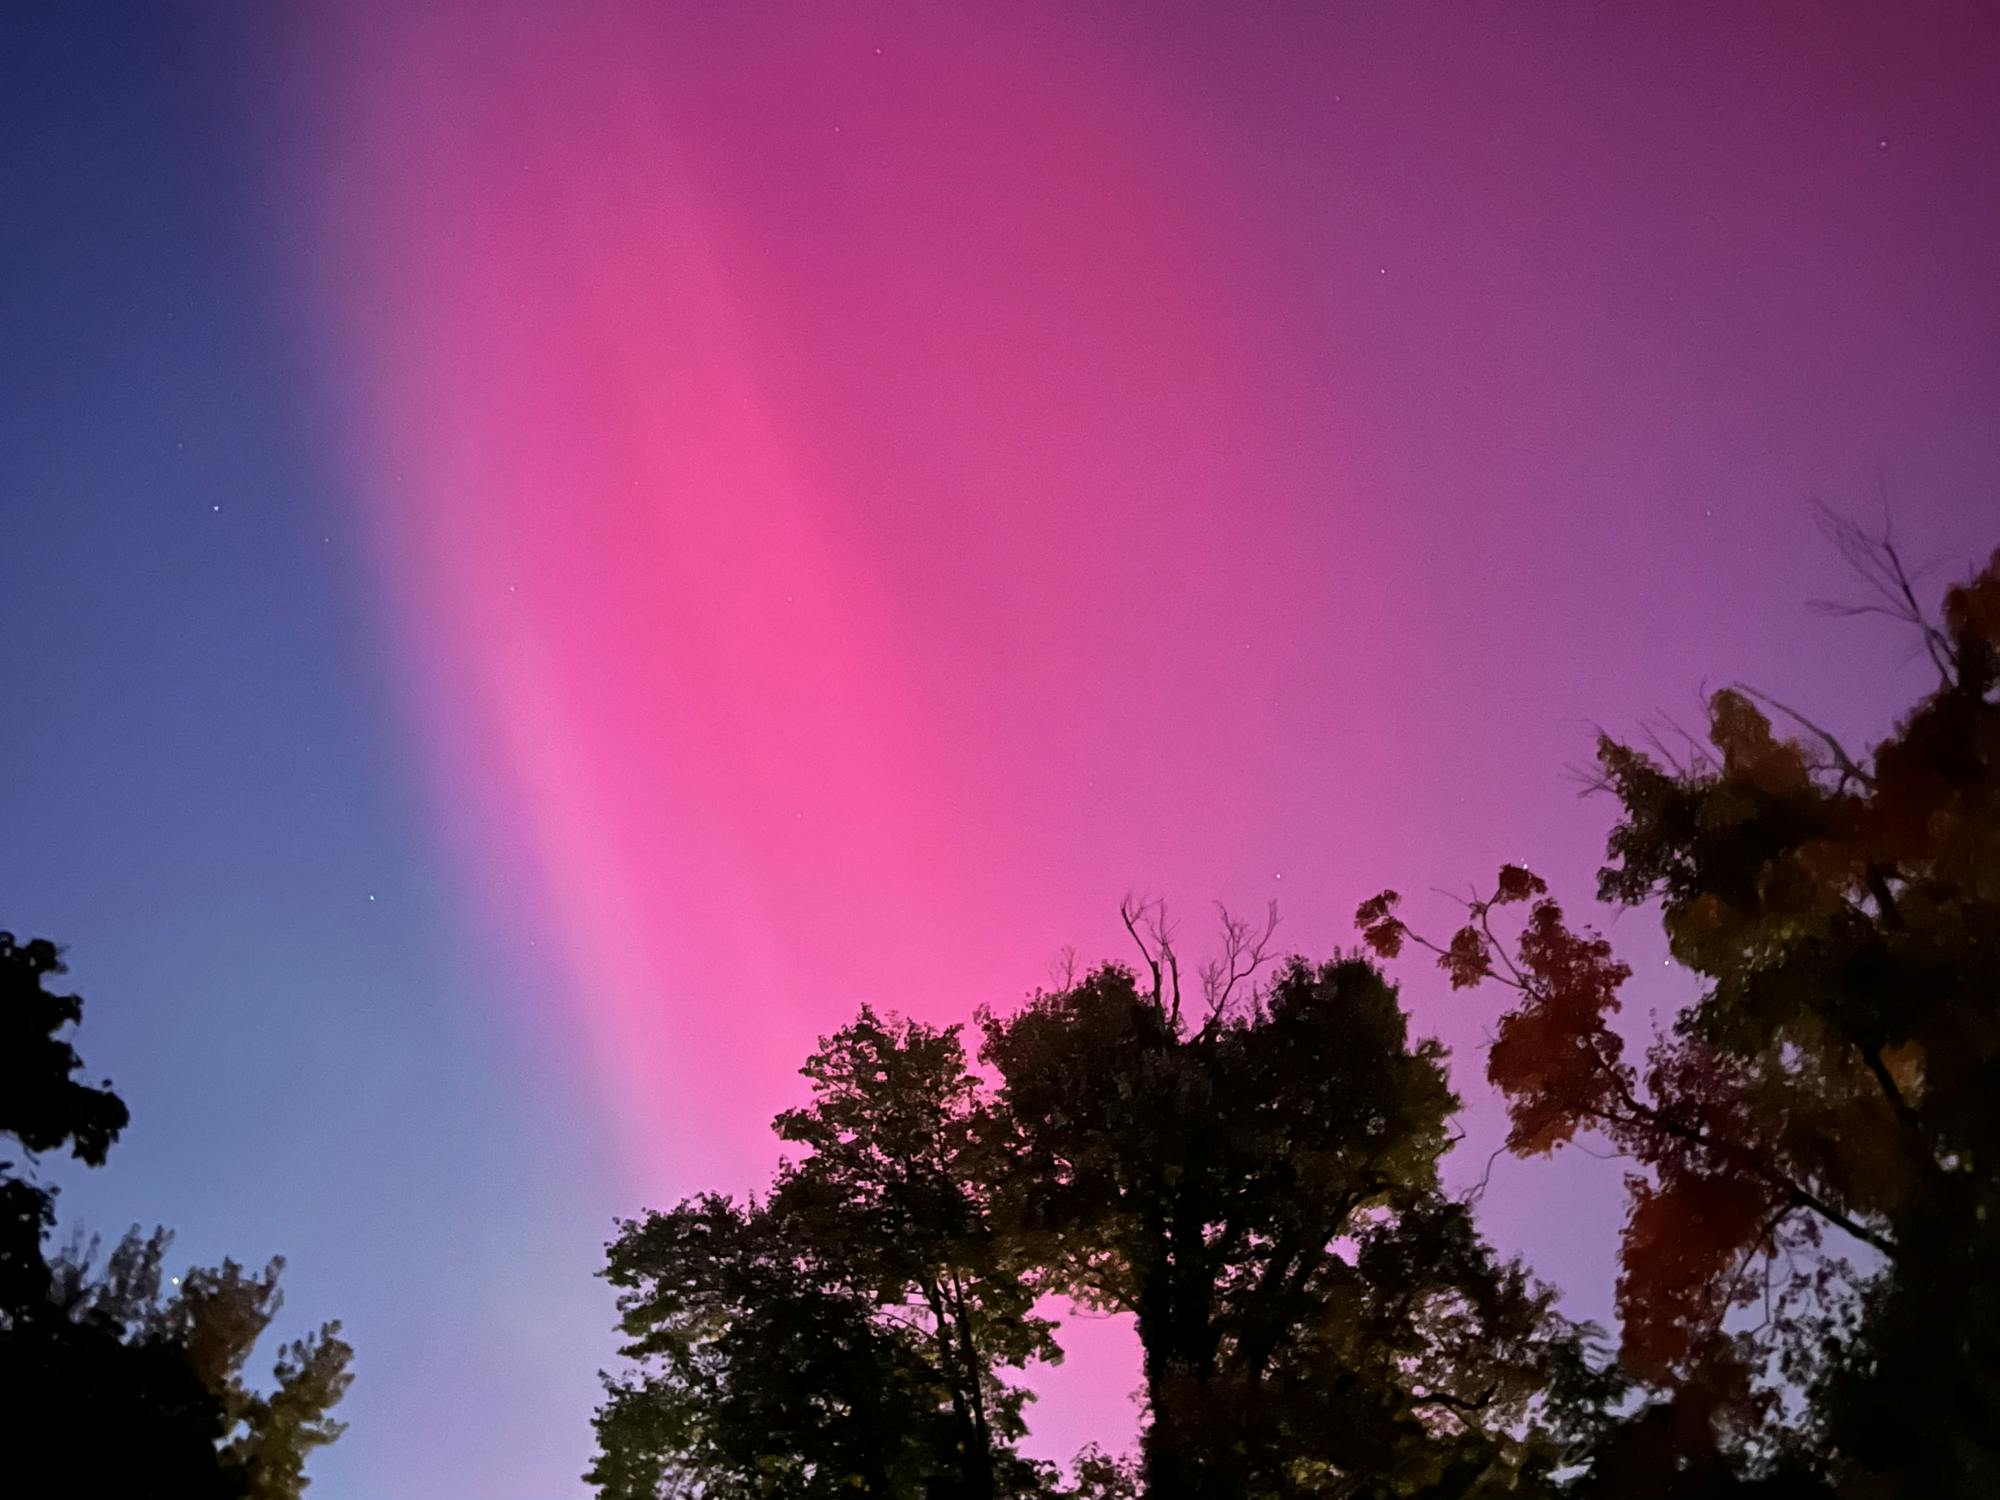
{"type": "Point", "coordinates": [1130, 912]}
{"type": "Point", "coordinates": [1698, 756]}
{"type": "Point", "coordinates": [1146, 920]}
{"type": "Point", "coordinates": [1063, 968]}
{"type": "Point", "coordinates": [1876, 559]}
{"type": "Point", "coordinates": [1762, 1245]}
{"type": "Point", "coordinates": [1513, 978]}
{"type": "Point", "coordinates": [1478, 1190]}
{"type": "Point", "coordinates": [1842, 761]}
{"type": "Point", "coordinates": [1461, 1407]}
{"type": "Point", "coordinates": [1245, 950]}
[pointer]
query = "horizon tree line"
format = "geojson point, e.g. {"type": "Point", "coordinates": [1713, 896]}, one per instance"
{"type": "Point", "coordinates": [1247, 1164]}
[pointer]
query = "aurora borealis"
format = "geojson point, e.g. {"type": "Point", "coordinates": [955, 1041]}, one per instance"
{"type": "Point", "coordinates": [555, 552]}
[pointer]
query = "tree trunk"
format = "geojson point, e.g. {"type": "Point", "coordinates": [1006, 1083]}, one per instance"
{"type": "Point", "coordinates": [1181, 1448]}
{"type": "Point", "coordinates": [975, 1447]}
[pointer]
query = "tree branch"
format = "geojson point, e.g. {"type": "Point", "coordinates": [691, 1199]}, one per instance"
{"type": "Point", "coordinates": [1243, 954]}
{"type": "Point", "coordinates": [1841, 759]}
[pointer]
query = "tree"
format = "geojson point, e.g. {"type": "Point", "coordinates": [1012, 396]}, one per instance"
{"type": "Point", "coordinates": [1817, 1135]}
{"type": "Point", "coordinates": [1257, 1185]}
{"type": "Point", "coordinates": [110, 1384]}
{"type": "Point", "coordinates": [42, 1106]}
{"type": "Point", "coordinates": [850, 1331]}
{"type": "Point", "coordinates": [898, 1174]}
{"type": "Point", "coordinates": [1098, 1475]}
{"type": "Point", "coordinates": [761, 1369]}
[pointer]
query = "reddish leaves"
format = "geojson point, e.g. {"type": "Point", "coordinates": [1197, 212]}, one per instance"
{"type": "Point", "coordinates": [1518, 884]}
{"type": "Point", "coordinates": [1685, 1238]}
{"type": "Point", "coordinates": [1555, 1057]}
{"type": "Point", "coordinates": [1561, 1069]}
{"type": "Point", "coordinates": [1382, 933]}
{"type": "Point", "coordinates": [1469, 958]}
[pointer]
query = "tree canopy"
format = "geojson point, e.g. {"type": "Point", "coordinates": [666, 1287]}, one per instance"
{"type": "Point", "coordinates": [852, 1329]}
{"type": "Point", "coordinates": [114, 1378]}
{"type": "Point", "coordinates": [1258, 1186]}
{"type": "Point", "coordinates": [1812, 1244]}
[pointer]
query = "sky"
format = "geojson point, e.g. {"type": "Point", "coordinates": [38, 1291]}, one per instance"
{"type": "Point", "coordinates": [553, 552]}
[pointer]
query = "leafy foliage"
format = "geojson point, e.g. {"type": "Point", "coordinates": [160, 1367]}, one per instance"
{"type": "Point", "coordinates": [1817, 1136]}
{"type": "Point", "coordinates": [41, 1104]}
{"type": "Point", "coordinates": [1259, 1189]}
{"type": "Point", "coordinates": [1260, 1192]}
{"type": "Point", "coordinates": [898, 1174]}
{"type": "Point", "coordinates": [112, 1381]}
{"type": "Point", "coordinates": [762, 1369]}
{"type": "Point", "coordinates": [851, 1331]}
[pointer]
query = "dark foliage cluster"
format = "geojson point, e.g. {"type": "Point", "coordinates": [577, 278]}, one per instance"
{"type": "Point", "coordinates": [1254, 1180]}
{"type": "Point", "coordinates": [114, 1378]}
{"type": "Point", "coordinates": [1809, 1288]}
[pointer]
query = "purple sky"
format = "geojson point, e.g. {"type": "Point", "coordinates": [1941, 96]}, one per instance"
{"type": "Point", "coordinates": [554, 558]}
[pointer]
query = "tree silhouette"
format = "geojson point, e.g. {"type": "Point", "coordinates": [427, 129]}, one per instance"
{"type": "Point", "coordinates": [850, 1331]}
{"type": "Point", "coordinates": [1258, 1186]}
{"type": "Point", "coordinates": [898, 1174]}
{"type": "Point", "coordinates": [112, 1383]}
{"type": "Point", "coordinates": [763, 1369]}
{"type": "Point", "coordinates": [1811, 1256]}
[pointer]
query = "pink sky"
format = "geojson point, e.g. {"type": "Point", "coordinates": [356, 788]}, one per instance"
{"type": "Point", "coordinates": [864, 486]}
